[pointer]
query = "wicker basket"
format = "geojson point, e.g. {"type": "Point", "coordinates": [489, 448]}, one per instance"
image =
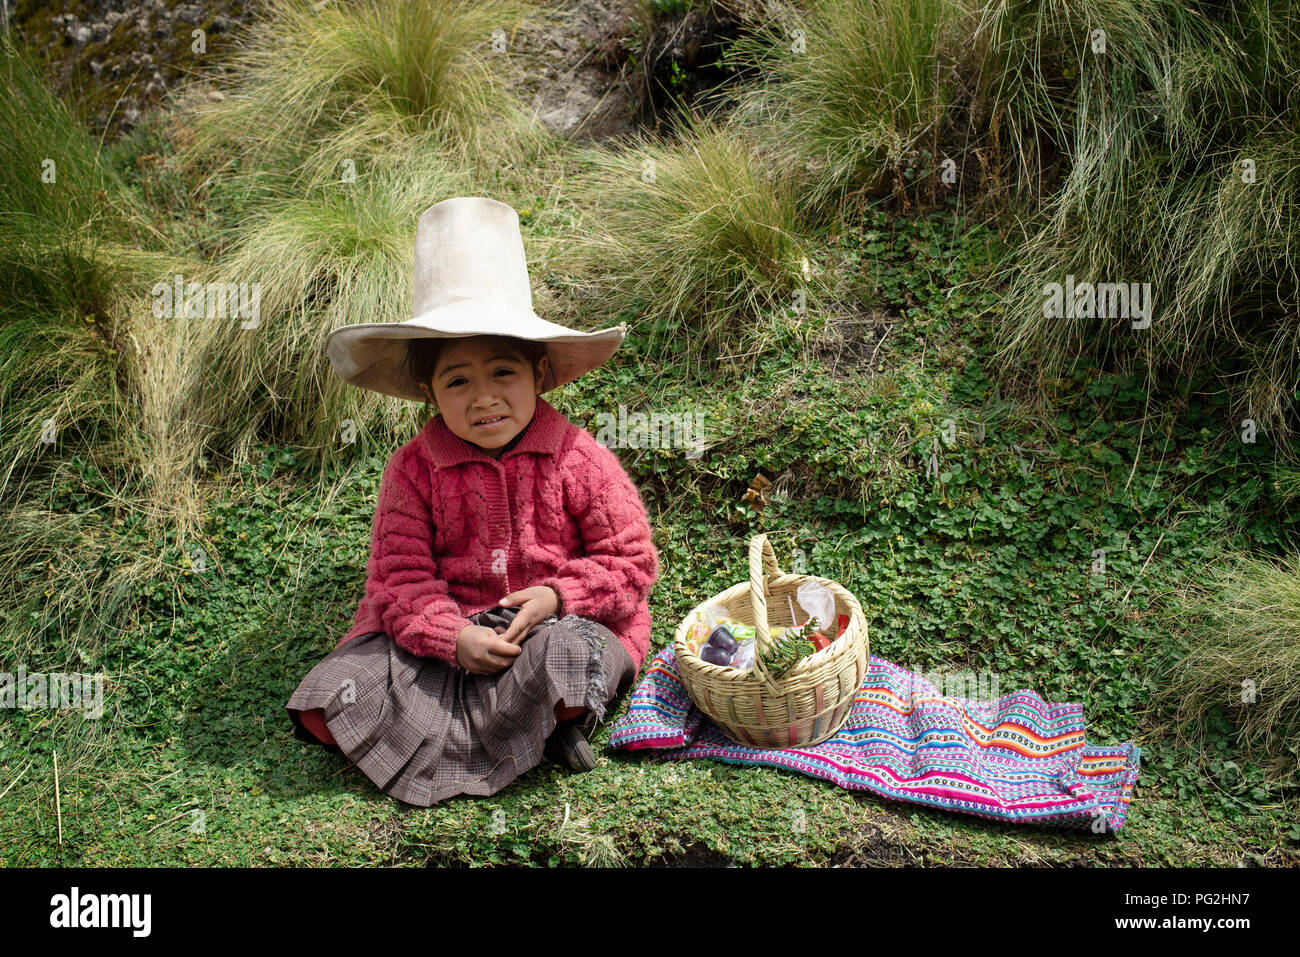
{"type": "Point", "coordinates": [807, 704]}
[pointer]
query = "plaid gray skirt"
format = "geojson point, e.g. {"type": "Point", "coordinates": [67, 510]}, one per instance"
{"type": "Point", "coordinates": [423, 730]}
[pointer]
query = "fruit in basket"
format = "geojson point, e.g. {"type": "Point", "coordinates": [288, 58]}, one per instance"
{"type": "Point", "coordinates": [723, 640]}
{"type": "Point", "coordinates": [715, 656]}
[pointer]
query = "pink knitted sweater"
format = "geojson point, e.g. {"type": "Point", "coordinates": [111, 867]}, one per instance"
{"type": "Point", "coordinates": [456, 530]}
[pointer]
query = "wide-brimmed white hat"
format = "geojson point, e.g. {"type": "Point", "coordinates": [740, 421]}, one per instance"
{"type": "Point", "coordinates": [471, 279]}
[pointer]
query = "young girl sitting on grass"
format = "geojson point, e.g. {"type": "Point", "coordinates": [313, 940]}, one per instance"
{"type": "Point", "coordinates": [511, 560]}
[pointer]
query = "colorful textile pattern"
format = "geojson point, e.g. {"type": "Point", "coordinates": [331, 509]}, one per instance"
{"type": "Point", "coordinates": [1019, 759]}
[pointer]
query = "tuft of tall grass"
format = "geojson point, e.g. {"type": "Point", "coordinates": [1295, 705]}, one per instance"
{"type": "Point", "coordinates": [1185, 174]}
{"type": "Point", "coordinates": [66, 585]}
{"type": "Point", "coordinates": [336, 255]}
{"type": "Point", "coordinates": [594, 848]}
{"type": "Point", "coordinates": [691, 237]}
{"type": "Point", "coordinates": [1242, 658]}
{"type": "Point", "coordinates": [848, 88]}
{"type": "Point", "coordinates": [312, 88]}
{"type": "Point", "coordinates": [52, 174]}
{"type": "Point", "coordinates": [1029, 72]}
{"type": "Point", "coordinates": [71, 235]}
{"type": "Point", "coordinates": [74, 242]}
{"type": "Point", "coordinates": [59, 396]}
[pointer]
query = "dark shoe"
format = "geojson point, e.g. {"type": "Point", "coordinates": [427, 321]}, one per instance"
{"type": "Point", "coordinates": [569, 747]}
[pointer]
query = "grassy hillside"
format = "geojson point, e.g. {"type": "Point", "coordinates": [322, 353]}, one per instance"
{"type": "Point", "coordinates": [864, 330]}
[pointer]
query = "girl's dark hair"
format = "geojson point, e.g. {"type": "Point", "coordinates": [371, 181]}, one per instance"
{"type": "Point", "coordinates": [422, 354]}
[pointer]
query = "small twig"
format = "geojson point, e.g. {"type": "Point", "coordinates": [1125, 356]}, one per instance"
{"type": "Point", "coordinates": [16, 780]}
{"type": "Point", "coordinates": [916, 138]}
{"type": "Point", "coordinates": [1141, 436]}
{"type": "Point", "coordinates": [153, 785]}
{"type": "Point", "coordinates": [58, 809]}
{"type": "Point", "coordinates": [1144, 567]}
{"type": "Point", "coordinates": [161, 823]}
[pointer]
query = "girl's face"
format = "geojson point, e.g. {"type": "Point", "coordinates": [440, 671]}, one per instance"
{"type": "Point", "coordinates": [485, 394]}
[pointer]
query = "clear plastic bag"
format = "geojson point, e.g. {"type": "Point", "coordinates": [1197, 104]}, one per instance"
{"type": "Point", "coordinates": [819, 603]}
{"type": "Point", "coordinates": [713, 613]}
{"type": "Point", "coordinates": [744, 657]}
{"type": "Point", "coordinates": [706, 619]}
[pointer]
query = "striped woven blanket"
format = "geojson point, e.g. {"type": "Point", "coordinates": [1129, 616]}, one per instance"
{"type": "Point", "coordinates": [1017, 759]}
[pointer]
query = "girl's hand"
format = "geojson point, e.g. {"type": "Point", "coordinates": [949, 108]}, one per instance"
{"type": "Point", "coordinates": [482, 651]}
{"type": "Point", "coordinates": [536, 604]}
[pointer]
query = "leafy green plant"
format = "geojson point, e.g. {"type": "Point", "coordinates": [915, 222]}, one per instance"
{"type": "Point", "coordinates": [788, 649]}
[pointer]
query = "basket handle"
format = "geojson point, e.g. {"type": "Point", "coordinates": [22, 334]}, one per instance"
{"type": "Point", "coordinates": [762, 565]}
